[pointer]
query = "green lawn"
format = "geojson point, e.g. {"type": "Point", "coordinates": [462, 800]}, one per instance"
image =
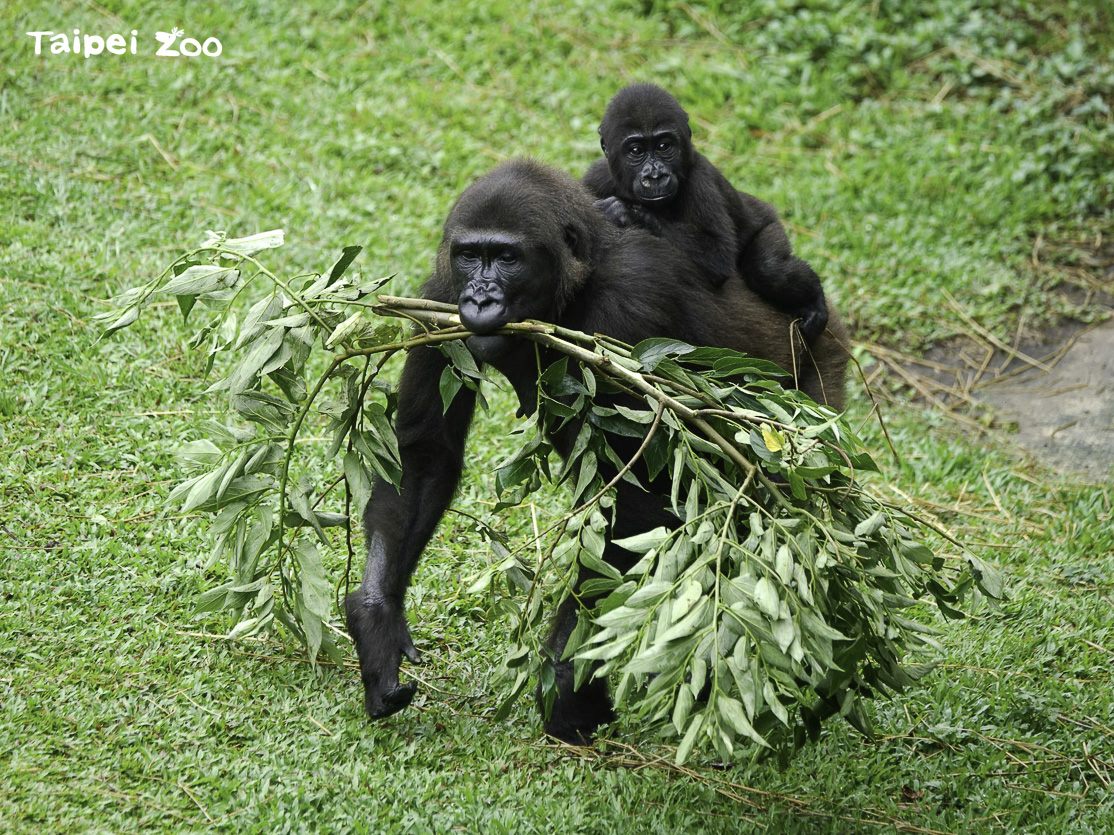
{"type": "Point", "coordinates": [911, 146]}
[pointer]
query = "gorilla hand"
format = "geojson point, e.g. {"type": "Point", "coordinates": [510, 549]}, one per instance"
{"type": "Point", "coordinates": [382, 639]}
{"type": "Point", "coordinates": [615, 210]}
{"type": "Point", "coordinates": [628, 214]}
{"type": "Point", "coordinates": [814, 319]}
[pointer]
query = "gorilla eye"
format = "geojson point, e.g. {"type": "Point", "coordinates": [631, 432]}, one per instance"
{"type": "Point", "coordinates": [665, 145]}
{"type": "Point", "coordinates": [507, 257]}
{"type": "Point", "coordinates": [636, 150]}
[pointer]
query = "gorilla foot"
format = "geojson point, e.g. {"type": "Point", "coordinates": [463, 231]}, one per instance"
{"type": "Point", "coordinates": [382, 705]}
{"type": "Point", "coordinates": [579, 729]}
{"type": "Point", "coordinates": [382, 641]}
{"type": "Point", "coordinates": [578, 714]}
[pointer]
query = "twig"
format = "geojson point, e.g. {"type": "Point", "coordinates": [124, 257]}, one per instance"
{"type": "Point", "coordinates": [988, 336]}
{"type": "Point", "coordinates": [196, 802]}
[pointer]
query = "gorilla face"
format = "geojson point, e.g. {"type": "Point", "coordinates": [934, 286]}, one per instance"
{"type": "Point", "coordinates": [646, 137]}
{"type": "Point", "coordinates": [652, 166]}
{"type": "Point", "coordinates": [502, 278]}
{"type": "Point", "coordinates": [517, 245]}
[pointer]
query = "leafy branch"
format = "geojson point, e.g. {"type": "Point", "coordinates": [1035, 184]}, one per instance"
{"type": "Point", "coordinates": [780, 595]}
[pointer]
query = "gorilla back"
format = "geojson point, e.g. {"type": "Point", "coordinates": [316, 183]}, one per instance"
{"type": "Point", "coordinates": [526, 241]}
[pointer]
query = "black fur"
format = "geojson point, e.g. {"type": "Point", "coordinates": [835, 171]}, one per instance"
{"type": "Point", "coordinates": [526, 241]}
{"type": "Point", "coordinates": [724, 232]}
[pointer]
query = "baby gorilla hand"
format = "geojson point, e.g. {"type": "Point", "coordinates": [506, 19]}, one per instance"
{"type": "Point", "coordinates": [628, 214]}
{"type": "Point", "coordinates": [814, 319]}
{"type": "Point", "coordinates": [615, 210]}
{"type": "Point", "coordinates": [382, 639]}
{"type": "Point", "coordinates": [623, 214]}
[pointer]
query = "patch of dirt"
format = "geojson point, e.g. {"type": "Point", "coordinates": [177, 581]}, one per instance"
{"type": "Point", "coordinates": [1065, 416]}
{"type": "Point", "coordinates": [1051, 392]}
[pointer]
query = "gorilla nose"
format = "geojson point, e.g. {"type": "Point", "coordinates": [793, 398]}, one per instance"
{"type": "Point", "coordinates": [482, 311]}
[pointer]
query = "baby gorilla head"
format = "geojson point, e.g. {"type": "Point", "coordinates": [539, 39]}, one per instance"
{"type": "Point", "coordinates": [646, 136]}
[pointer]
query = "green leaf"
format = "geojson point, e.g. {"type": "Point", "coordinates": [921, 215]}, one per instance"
{"type": "Point", "coordinates": [359, 479]}
{"type": "Point", "coordinates": [350, 328]}
{"type": "Point", "coordinates": [461, 358]}
{"type": "Point", "coordinates": [202, 490]}
{"type": "Point", "coordinates": [248, 245]}
{"type": "Point", "coordinates": [774, 703]}
{"type": "Point", "coordinates": [185, 304]}
{"type": "Point", "coordinates": [784, 632]}
{"type": "Point", "coordinates": [591, 555]}
{"type": "Point", "coordinates": [739, 365]}
{"type": "Point", "coordinates": [686, 598]}
{"type": "Point", "coordinates": [870, 525]}
{"type": "Point", "coordinates": [122, 321]}
{"type": "Point", "coordinates": [299, 498]}
{"type": "Point", "coordinates": [585, 478]}
{"type": "Point", "coordinates": [689, 739]}
{"type": "Point", "coordinates": [682, 708]}
{"type": "Point", "coordinates": [213, 600]}
{"type": "Point", "coordinates": [765, 595]}
{"type": "Point", "coordinates": [201, 278]}
{"type": "Point", "coordinates": [650, 352]}
{"type": "Point", "coordinates": [269, 411]}
{"type": "Point", "coordinates": [642, 542]}
{"type": "Point", "coordinates": [695, 619]}
{"type": "Point", "coordinates": [732, 712]}
{"type": "Point", "coordinates": [348, 255]}
{"type": "Point", "coordinates": [262, 349]}
{"type": "Point", "coordinates": [244, 487]}
{"type": "Point", "coordinates": [262, 311]}
{"type": "Point", "coordinates": [316, 594]}
{"type": "Point", "coordinates": [448, 386]}
{"type": "Point", "coordinates": [988, 578]}
{"type": "Point", "coordinates": [648, 594]}
{"type": "Point", "coordinates": [783, 564]}
{"type": "Point", "coordinates": [202, 451]}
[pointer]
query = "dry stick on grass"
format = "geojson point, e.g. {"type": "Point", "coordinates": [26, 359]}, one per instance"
{"type": "Point", "coordinates": [921, 385]}
{"type": "Point", "coordinates": [1051, 360]}
{"type": "Point", "coordinates": [627, 756]}
{"type": "Point", "coordinates": [987, 336]}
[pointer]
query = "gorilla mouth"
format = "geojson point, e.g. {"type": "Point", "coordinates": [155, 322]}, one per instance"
{"type": "Point", "coordinates": [483, 313]}
{"type": "Point", "coordinates": [488, 348]}
{"type": "Point", "coordinates": [649, 190]}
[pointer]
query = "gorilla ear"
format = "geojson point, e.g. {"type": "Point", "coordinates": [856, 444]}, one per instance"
{"type": "Point", "coordinates": [576, 239]}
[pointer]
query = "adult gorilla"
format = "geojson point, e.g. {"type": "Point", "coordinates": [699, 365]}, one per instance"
{"type": "Point", "coordinates": [652, 177]}
{"type": "Point", "coordinates": [524, 242]}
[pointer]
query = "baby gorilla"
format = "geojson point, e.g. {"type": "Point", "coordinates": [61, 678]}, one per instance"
{"type": "Point", "coordinates": [653, 178]}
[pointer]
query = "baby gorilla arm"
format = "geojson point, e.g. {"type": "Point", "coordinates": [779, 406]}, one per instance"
{"type": "Point", "coordinates": [770, 269]}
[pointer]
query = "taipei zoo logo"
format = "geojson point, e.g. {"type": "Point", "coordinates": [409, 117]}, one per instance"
{"type": "Point", "coordinates": [172, 44]}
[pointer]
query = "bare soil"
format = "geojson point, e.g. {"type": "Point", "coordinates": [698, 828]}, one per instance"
{"type": "Point", "coordinates": [1050, 392]}
{"type": "Point", "coordinates": [1064, 416]}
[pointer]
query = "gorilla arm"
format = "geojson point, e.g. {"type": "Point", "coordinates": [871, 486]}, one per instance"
{"type": "Point", "coordinates": [399, 523]}
{"type": "Point", "coordinates": [769, 267]}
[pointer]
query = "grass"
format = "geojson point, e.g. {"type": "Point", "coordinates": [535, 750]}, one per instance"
{"type": "Point", "coordinates": [910, 149]}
